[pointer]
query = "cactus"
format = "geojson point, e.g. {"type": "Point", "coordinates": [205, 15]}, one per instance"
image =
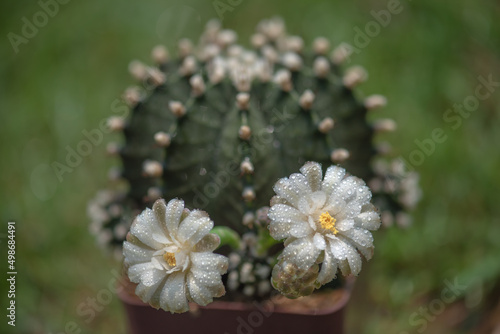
{"type": "Point", "coordinates": [218, 125]}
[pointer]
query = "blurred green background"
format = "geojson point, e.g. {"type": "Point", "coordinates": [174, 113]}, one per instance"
{"type": "Point", "coordinates": [64, 79]}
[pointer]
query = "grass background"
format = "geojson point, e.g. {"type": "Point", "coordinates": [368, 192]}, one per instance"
{"type": "Point", "coordinates": [65, 78]}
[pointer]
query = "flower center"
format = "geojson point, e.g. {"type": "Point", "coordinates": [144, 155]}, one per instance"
{"type": "Point", "coordinates": [170, 259]}
{"type": "Point", "coordinates": [328, 222]}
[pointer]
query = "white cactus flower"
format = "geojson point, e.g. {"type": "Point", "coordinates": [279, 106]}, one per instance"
{"type": "Point", "coordinates": [324, 221]}
{"type": "Point", "coordinates": [168, 252]}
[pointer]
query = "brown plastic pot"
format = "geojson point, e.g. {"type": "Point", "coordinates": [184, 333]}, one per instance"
{"type": "Point", "coordinates": [318, 314]}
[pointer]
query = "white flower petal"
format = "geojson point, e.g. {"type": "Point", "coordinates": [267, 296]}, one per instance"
{"type": "Point", "coordinates": [159, 209]}
{"type": "Point", "coordinates": [347, 189]}
{"type": "Point", "coordinates": [311, 203]}
{"type": "Point", "coordinates": [313, 173]}
{"type": "Point", "coordinates": [344, 267]}
{"type": "Point", "coordinates": [161, 238]}
{"type": "Point", "coordinates": [363, 194]}
{"type": "Point", "coordinates": [300, 184]}
{"type": "Point", "coordinates": [286, 192]}
{"type": "Point", "coordinates": [319, 241]}
{"type": "Point", "coordinates": [147, 292]}
{"type": "Point", "coordinates": [287, 221]}
{"type": "Point", "coordinates": [350, 210]}
{"type": "Point", "coordinates": [194, 227]}
{"type": "Point", "coordinates": [354, 260]}
{"type": "Point", "coordinates": [334, 205]}
{"type": "Point", "coordinates": [291, 189]}
{"type": "Point", "coordinates": [333, 176]}
{"type": "Point", "coordinates": [279, 200]}
{"type": "Point", "coordinates": [144, 226]}
{"type": "Point", "coordinates": [199, 293]}
{"type": "Point", "coordinates": [301, 252]}
{"type": "Point", "coordinates": [209, 261]}
{"type": "Point", "coordinates": [285, 230]}
{"type": "Point", "coordinates": [173, 296]}
{"type": "Point", "coordinates": [135, 271]}
{"type": "Point", "coordinates": [173, 215]}
{"type": "Point", "coordinates": [338, 248]}
{"type": "Point", "coordinates": [151, 277]}
{"type": "Point", "coordinates": [344, 225]}
{"type": "Point", "coordinates": [286, 214]}
{"type": "Point", "coordinates": [328, 269]}
{"type": "Point", "coordinates": [208, 243]}
{"type": "Point", "coordinates": [368, 220]}
{"type": "Point", "coordinates": [134, 254]}
{"type": "Point", "coordinates": [362, 240]}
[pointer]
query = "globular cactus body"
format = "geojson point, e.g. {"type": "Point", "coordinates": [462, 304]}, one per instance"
{"type": "Point", "coordinates": [243, 120]}
{"type": "Point", "coordinates": [219, 125]}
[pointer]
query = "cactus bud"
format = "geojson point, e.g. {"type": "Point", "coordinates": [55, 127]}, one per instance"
{"type": "Point", "coordinates": [245, 132]}
{"type": "Point", "coordinates": [384, 125]}
{"type": "Point", "coordinates": [152, 168]}
{"type": "Point", "coordinates": [153, 194]}
{"type": "Point", "coordinates": [292, 61]}
{"type": "Point", "coordinates": [295, 44]}
{"type": "Point", "coordinates": [138, 70]}
{"type": "Point", "coordinates": [177, 108]}
{"type": "Point", "coordinates": [116, 123]}
{"type": "Point", "coordinates": [248, 194]}
{"type": "Point", "coordinates": [339, 155]}
{"type": "Point", "coordinates": [284, 80]}
{"type": "Point", "coordinates": [354, 76]}
{"type": "Point", "coordinates": [162, 139]}
{"type": "Point", "coordinates": [132, 96]}
{"type": "Point", "coordinates": [272, 28]}
{"type": "Point", "coordinates": [159, 54]}
{"type": "Point", "coordinates": [248, 219]}
{"type": "Point", "coordinates": [226, 37]}
{"type": "Point", "coordinates": [217, 74]}
{"type": "Point", "coordinates": [321, 45]}
{"type": "Point", "coordinates": [258, 40]}
{"type": "Point", "coordinates": [270, 54]}
{"type": "Point", "coordinates": [326, 125]}
{"type": "Point", "coordinates": [321, 67]}
{"type": "Point", "coordinates": [188, 66]}
{"type": "Point", "coordinates": [307, 99]}
{"type": "Point", "coordinates": [375, 101]}
{"type": "Point", "coordinates": [156, 76]}
{"type": "Point", "coordinates": [242, 101]}
{"type": "Point", "coordinates": [197, 85]}
{"type": "Point", "coordinates": [246, 166]}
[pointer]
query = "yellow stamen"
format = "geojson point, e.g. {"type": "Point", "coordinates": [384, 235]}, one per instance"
{"type": "Point", "coordinates": [328, 222]}
{"type": "Point", "coordinates": [170, 259]}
